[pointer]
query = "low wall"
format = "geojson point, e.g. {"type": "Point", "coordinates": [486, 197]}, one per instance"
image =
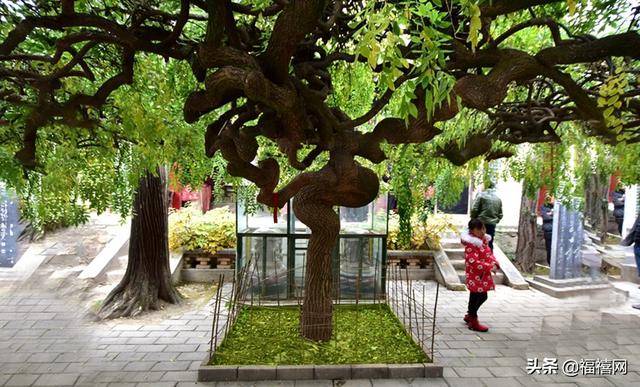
{"type": "Point", "coordinates": [419, 264]}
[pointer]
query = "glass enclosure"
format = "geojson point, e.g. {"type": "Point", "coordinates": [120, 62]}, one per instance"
{"type": "Point", "coordinates": [274, 253]}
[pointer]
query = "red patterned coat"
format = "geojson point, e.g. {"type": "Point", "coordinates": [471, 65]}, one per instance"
{"type": "Point", "coordinates": [479, 261]}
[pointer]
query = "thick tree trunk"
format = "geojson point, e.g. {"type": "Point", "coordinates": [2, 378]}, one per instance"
{"type": "Point", "coordinates": [603, 204]}
{"type": "Point", "coordinates": [526, 247]}
{"type": "Point", "coordinates": [148, 276]}
{"type": "Point", "coordinates": [589, 201]}
{"type": "Point", "coordinates": [596, 191]}
{"type": "Point", "coordinates": [317, 310]}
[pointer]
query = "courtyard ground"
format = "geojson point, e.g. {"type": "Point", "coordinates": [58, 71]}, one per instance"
{"type": "Point", "coordinates": [49, 337]}
{"type": "Point", "coordinates": [46, 340]}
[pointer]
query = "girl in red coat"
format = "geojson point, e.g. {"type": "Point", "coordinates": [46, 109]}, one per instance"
{"type": "Point", "coordinates": [479, 261]}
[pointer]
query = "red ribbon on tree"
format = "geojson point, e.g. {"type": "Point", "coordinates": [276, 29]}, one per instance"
{"type": "Point", "coordinates": [275, 207]}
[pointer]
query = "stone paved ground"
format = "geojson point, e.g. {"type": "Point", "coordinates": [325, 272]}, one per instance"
{"type": "Point", "coordinates": [46, 340]}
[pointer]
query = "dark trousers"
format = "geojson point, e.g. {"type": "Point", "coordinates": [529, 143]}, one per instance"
{"type": "Point", "coordinates": [620, 221]}
{"type": "Point", "coordinates": [475, 301]}
{"type": "Point", "coordinates": [547, 245]}
{"type": "Point", "coordinates": [491, 230]}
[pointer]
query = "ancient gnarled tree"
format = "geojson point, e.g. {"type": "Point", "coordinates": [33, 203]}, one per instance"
{"type": "Point", "coordinates": [267, 66]}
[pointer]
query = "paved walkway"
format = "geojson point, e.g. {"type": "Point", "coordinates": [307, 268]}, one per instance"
{"type": "Point", "coordinates": [46, 340]}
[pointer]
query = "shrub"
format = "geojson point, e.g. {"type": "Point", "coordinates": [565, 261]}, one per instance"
{"type": "Point", "coordinates": [424, 235]}
{"type": "Point", "coordinates": [190, 229]}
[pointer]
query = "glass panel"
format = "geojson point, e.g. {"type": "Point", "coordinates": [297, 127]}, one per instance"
{"type": "Point", "coordinates": [241, 218]}
{"type": "Point", "coordinates": [267, 260]}
{"type": "Point", "coordinates": [360, 264]}
{"type": "Point", "coordinates": [299, 265]}
{"type": "Point", "coordinates": [261, 222]}
{"type": "Point", "coordinates": [366, 220]}
{"type": "Point", "coordinates": [380, 214]}
{"type": "Point", "coordinates": [356, 220]}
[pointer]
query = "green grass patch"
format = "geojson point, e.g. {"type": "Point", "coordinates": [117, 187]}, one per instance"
{"type": "Point", "coordinates": [367, 334]}
{"type": "Point", "coordinates": [541, 270]}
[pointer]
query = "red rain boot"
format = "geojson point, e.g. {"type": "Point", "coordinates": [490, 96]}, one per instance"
{"type": "Point", "coordinates": [467, 318]}
{"type": "Point", "coordinates": [475, 325]}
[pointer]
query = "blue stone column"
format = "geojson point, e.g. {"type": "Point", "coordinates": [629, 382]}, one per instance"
{"type": "Point", "coordinates": [566, 243]}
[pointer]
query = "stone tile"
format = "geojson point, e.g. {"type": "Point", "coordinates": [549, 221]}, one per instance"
{"type": "Point", "coordinates": [501, 382]}
{"type": "Point", "coordinates": [22, 380]}
{"type": "Point", "coordinates": [4, 378]}
{"type": "Point", "coordinates": [49, 368]}
{"type": "Point", "coordinates": [315, 383]}
{"type": "Point", "coordinates": [126, 327]}
{"type": "Point", "coordinates": [472, 372]}
{"type": "Point", "coordinates": [183, 348]}
{"type": "Point", "coordinates": [458, 382]}
{"type": "Point", "coordinates": [171, 366]}
{"type": "Point", "coordinates": [511, 361]}
{"type": "Point", "coordinates": [139, 366]}
{"type": "Point", "coordinates": [428, 382]}
{"type": "Point", "coordinates": [171, 341]}
{"type": "Point", "coordinates": [594, 382]}
{"type": "Point", "coordinates": [390, 383]}
{"type": "Point", "coordinates": [146, 377]}
{"type": "Point", "coordinates": [192, 356]}
{"type": "Point", "coordinates": [133, 334]}
{"type": "Point", "coordinates": [42, 357]}
{"type": "Point", "coordinates": [357, 383]}
{"type": "Point", "coordinates": [130, 356]}
{"type": "Point", "coordinates": [151, 348]}
{"type": "Point", "coordinates": [57, 380]}
{"type": "Point", "coordinates": [161, 356]}
{"type": "Point", "coordinates": [180, 376]}
{"type": "Point", "coordinates": [479, 361]}
{"type": "Point", "coordinates": [448, 372]}
{"type": "Point", "coordinates": [501, 372]}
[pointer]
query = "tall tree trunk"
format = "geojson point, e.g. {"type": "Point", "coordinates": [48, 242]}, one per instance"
{"type": "Point", "coordinates": [148, 276]}
{"type": "Point", "coordinates": [591, 213]}
{"type": "Point", "coordinates": [603, 207]}
{"type": "Point", "coordinates": [596, 203]}
{"type": "Point", "coordinates": [317, 310]}
{"type": "Point", "coordinates": [526, 247]}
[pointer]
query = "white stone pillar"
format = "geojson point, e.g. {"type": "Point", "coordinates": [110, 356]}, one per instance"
{"type": "Point", "coordinates": [630, 209]}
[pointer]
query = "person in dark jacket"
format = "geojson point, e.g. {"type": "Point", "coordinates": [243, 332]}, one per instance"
{"type": "Point", "coordinates": [634, 239]}
{"type": "Point", "coordinates": [546, 211]}
{"type": "Point", "coordinates": [488, 209]}
{"type": "Point", "coordinates": [618, 207]}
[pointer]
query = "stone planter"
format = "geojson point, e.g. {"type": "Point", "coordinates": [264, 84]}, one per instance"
{"type": "Point", "coordinates": [202, 266]}
{"type": "Point", "coordinates": [241, 373]}
{"type": "Point", "coordinates": [209, 373]}
{"type": "Point", "coordinates": [419, 264]}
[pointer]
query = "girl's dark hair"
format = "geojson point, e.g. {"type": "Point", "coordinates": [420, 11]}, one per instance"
{"type": "Point", "coordinates": [475, 224]}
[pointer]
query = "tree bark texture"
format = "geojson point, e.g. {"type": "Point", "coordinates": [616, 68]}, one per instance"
{"type": "Point", "coordinates": [596, 190]}
{"type": "Point", "coordinates": [526, 247]}
{"type": "Point", "coordinates": [317, 310]}
{"type": "Point", "coordinates": [148, 276]}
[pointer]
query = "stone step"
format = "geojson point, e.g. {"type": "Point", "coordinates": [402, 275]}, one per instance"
{"type": "Point", "coordinates": [567, 291]}
{"type": "Point", "coordinates": [453, 243]}
{"type": "Point", "coordinates": [458, 264]}
{"type": "Point", "coordinates": [455, 254]}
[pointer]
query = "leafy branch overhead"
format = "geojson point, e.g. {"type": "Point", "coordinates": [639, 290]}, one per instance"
{"type": "Point", "coordinates": [267, 69]}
